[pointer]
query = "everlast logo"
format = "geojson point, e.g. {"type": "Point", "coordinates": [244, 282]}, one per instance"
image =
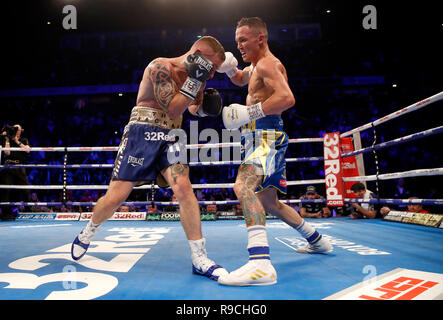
{"type": "Point", "coordinates": [133, 161]}
{"type": "Point", "coordinates": [203, 63]}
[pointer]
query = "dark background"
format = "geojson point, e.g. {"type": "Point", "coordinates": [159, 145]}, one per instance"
{"type": "Point", "coordinates": [405, 50]}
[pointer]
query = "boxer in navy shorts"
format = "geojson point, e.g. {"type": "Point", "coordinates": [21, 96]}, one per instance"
{"type": "Point", "coordinates": [148, 149]}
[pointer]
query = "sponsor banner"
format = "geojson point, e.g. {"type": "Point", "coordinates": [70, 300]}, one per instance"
{"type": "Point", "coordinates": [153, 217]}
{"type": "Point", "coordinates": [349, 165]}
{"type": "Point", "coordinates": [230, 217]}
{"type": "Point", "coordinates": [68, 216]}
{"type": "Point", "coordinates": [128, 216]}
{"type": "Point", "coordinates": [333, 170]}
{"type": "Point", "coordinates": [175, 216]}
{"type": "Point", "coordinates": [398, 284]}
{"type": "Point", "coordinates": [170, 216]}
{"type": "Point", "coordinates": [118, 216]}
{"type": "Point", "coordinates": [36, 216]}
{"type": "Point", "coordinates": [425, 219]}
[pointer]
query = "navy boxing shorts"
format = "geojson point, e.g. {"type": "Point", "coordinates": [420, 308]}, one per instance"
{"type": "Point", "coordinates": [147, 147]}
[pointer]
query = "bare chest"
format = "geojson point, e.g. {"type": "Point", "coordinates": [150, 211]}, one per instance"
{"type": "Point", "coordinates": [257, 89]}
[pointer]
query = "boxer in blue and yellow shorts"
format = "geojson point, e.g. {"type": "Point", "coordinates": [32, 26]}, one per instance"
{"type": "Point", "coordinates": [262, 173]}
{"type": "Point", "coordinates": [264, 145]}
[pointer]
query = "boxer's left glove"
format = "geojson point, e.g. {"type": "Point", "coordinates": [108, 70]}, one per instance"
{"type": "Point", "coordinates": [237, 115]}
{"type": "Point", "coordinates": [212, 104]}
{"type": "Point", "coordinates": [199, 69]}
{"type": "Point", "coordinates": [229, 66]}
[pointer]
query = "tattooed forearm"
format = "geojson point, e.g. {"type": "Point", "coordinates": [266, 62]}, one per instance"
{"type": "Point", "coordinates": [164, 87]}
{"type": "Point", "coordinates": [253, 210]}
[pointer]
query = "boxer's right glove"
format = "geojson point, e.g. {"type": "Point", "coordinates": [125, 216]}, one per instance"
{"type": "Point", "coordinates": [237, 115]}
{"type": "Point", "coordinates": [199, 69]}
{"type": "Point", "coordinates": [229, 66]}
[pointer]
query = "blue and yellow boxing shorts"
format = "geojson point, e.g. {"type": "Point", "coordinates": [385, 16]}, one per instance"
{"type": "Point", "coordinates": [264, 144]}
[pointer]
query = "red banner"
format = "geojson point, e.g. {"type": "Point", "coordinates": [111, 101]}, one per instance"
{"type": "Point", "coordinates": [349, 165]}
{"type": "Point", "coordinates": [333, 170]}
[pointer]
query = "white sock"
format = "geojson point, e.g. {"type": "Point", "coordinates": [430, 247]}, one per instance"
{"type": "Point", "coordinates": [89, 232]}
{"type": "Point", "coordinates": [257, 236]}
{"type": "Point", "coordinates": [308, 232]}
{"type": "Point", "coordinates": [198, 247]}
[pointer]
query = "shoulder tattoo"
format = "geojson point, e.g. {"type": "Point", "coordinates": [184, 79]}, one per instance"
{"type": "Point", "coordinates": [164, 87]}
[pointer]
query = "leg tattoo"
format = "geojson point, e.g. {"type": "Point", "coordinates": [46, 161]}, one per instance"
{"type": "Point", "coordinates": [178, 170]}
{"type": "Point", "coordinates": [253, 210]}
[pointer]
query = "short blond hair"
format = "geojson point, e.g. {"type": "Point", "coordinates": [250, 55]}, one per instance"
{"type": "Point", "coordinates": [214, 44]}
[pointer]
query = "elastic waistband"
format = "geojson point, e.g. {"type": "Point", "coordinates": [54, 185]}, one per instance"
{"type": "Point", "coordinates": [154, 117]}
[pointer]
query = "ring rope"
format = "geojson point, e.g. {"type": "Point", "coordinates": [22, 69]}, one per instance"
{"type": "Point", "coordinates": [397, 175]}
{"type": "Point", "coordinates": [377, 168]}
{"type": "Point", "coordinates": [65, 162]}
{"type": "Point", "coordinates": [377, 177]}
{"type": "Point", "coordinates": [438, 202]}
{"type": "Point", "coordinates": [110, 166]}
{"type": "Point", "coordinates": [411, 137]}
{"type": "Point", "coordinates": [386, 176]}
{"type": "Point", "coordinates": [103, 187]}
{"type": "Point", "coordinates": [412, 107]}
{"type": "Point", "coordinates": [407, 138]}
{"type": "Point", "coordinates": [188, 146]}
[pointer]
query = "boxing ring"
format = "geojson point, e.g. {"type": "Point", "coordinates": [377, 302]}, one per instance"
{"type": "Point", "coordinates": [135, 259]}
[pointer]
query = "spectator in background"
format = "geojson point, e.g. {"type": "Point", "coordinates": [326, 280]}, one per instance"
{"type": "Point", "coordinates": [401, 190]}
{"type": "Point", "coordinates": [417, 208]}
{"type": "Point", "coordinates": [34, 198]}
{"type": "Point", "coordinates": [313, 209]}
{"type": "Point", "coordinates": [11, 137]}
{"type": "Point", "coordinates": [363, 210]}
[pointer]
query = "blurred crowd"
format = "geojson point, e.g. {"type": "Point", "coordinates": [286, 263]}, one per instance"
{"type": "Point", "coordinates": [320, 74]}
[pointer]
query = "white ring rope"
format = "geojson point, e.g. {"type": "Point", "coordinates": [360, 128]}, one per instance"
{"type": "Point", "coordinates": [387, 176]}
{"type": "Point", "coordinates": [397, 175]}
{"type": "Point", "coordinates": [110, 166]}
{"type": "Point", "coordinates": [229, 202]}
{"type": "Point", "coordinates": [188, 146]}
{"type": "Point", "coordinates": [412, 107]}
{"type": "Point", "coordinates": [104, 187]}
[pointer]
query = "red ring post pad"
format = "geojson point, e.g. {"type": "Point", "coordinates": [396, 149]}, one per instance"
{"type": "Point", "coordinates": [333, 170]}
{"type": "Point", "coordinates": [349, 165]}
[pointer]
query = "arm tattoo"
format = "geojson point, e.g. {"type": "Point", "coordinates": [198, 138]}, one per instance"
{"type": "Point", "coordinates": [253, 210]}
{"type": "Point", "coordinates": [164, 87]}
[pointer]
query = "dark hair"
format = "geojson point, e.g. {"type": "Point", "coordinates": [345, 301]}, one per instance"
{"type": "Point", "coordinates": [358, 187]}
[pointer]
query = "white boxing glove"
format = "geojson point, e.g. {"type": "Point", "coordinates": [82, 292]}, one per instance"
{"type": "Point", "coordinates": [229, 66]}
{"type": "Point", "coordinates": [237, 115]}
